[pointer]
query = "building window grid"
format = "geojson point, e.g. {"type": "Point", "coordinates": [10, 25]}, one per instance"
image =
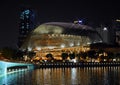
{"type": "Point", "coordinates": [26, 24]}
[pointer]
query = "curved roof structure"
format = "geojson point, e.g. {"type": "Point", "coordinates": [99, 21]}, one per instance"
{"type": "Point", "coordinates": [60, 35]}
{"type": "Point", "coordinates": [61, 27]}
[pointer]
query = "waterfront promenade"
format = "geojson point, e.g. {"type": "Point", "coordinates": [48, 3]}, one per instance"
{"type": "Point", "coordinates": [78, 64]}
{"type": "Point", "coordinates": [11, 67]}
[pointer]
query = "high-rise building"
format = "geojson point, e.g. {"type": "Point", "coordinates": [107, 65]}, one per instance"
{"type": "Point", "coordinates": [26, 24]}
{"type": "Point", "coordinates": [107, 34]}
{"type": "Point", "coordinates": [116, 26]}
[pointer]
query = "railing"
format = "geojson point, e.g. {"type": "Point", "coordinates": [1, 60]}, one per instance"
{"type": "Point", "coordinates": [78, 64]}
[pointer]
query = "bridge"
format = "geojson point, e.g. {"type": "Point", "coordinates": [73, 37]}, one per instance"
{"type": "Point", "coordinates": [11, 67]}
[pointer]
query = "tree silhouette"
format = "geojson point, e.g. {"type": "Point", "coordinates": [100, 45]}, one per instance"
{"type": "Point", "coordinates": [64, 56]}
{"type": "Point", "coordinates": [72, 55]}
{"type": "Point", "coordinates": [49, 56]}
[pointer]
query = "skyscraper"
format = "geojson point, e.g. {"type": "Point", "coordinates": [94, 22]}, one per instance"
{"type": "Point", "coordinates": [26, 24]}
{"type": "Point", "coordinates": [107, 33]}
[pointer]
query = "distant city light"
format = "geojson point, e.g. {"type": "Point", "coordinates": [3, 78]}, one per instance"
{"type": "Point", "coordinates": [62, 45]}
{"type": "Point", "coordinates": [105, 28]}
{"type": "Point", "coordinates": [88, 43]}
{"type": "Point", "coordinates": [71, 44]}
{"type": "Point", "coordinates": [78, 22]}
{"type": "Point", "coordinates": [29, 48]}
{"type": "Point", "coordinates": [38, 48]}
{"type": "Point", "coordinates": [118, 20]}
{"type": "Point", "coordinates": [78, 43]}
{"type": "Point", "coordinates": [27, 11]}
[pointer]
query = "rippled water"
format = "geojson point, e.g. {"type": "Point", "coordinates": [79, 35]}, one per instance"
{"type": "Point", "coordinates": [65, 76]}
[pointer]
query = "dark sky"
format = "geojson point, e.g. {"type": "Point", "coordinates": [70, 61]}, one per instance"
{"type": "Point", "coordinates": [96, 12]}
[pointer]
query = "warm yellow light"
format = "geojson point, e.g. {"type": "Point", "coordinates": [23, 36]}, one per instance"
{"type": "Point", "coordinates": [117, 20]}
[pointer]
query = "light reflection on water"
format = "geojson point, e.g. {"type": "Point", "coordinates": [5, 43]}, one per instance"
{"type": "Point", "coordinates": [65, 76]}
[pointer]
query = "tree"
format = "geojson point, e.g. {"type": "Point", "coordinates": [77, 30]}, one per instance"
{"type": "Point", "coordinates": [72, 55]}
{"type": "Point", "coordinates": [19, 54]}
{"type": "Point", "coordinates": [92, 54]}
{"type": "Point", "coordinates": [100, 51]}
{"type": "Point", "coordinates": [84, 55]}
{"type": "Point", "coordinates": [31, 54]}
{"type": "Point", "coordinates": [78, 55]}
{"type": "Point", "coordinates": [50, 56]}
{"type": "Point", "coordinates": [64, 56]}
{"type": "Point", "coordinates": [8, 53]}
{"type": "Point", "coordinates": [110, 55]}
{"type": "Point", "coordinates": [118, 56]}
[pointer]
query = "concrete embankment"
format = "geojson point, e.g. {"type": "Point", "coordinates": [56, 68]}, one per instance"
{"type": "Point", "coordinates": [60, 65]}
{"type": "Point", "coordinates": [11, 67]}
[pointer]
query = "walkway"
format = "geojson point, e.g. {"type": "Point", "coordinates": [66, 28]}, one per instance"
{"type": "Point", "coordinates": [8, 67]}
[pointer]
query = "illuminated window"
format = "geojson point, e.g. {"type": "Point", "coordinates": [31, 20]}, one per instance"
{"type": "Point", "coordinates": [22, 16]}
{"type": "Point", "coordinates": [22, 27]}
{"type": "Point", "coordinates": [27, 11]}
{"type": "Point", "coordinates": [27, 16]}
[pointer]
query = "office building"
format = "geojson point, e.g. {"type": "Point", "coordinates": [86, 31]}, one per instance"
{"type": "Point", "coordinates": [26, 24]}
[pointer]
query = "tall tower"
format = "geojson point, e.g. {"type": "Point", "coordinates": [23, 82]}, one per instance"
{"type": "Point", "coordinates": [116, 27]}
{"type": "Point", "coordinates": [104, 33]}
{"type": "Point", "coordinates": [26, 24]}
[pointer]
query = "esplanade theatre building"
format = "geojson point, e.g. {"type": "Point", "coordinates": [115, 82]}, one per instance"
{"type": "Point", "coordinates": [58, 37]}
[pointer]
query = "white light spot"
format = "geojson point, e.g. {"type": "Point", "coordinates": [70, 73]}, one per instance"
{"type": "Point", "coordinates": [105, 29]}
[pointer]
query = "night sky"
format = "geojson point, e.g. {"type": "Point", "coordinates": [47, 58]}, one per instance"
{"type": "Point", "coordinates": [96, 12]}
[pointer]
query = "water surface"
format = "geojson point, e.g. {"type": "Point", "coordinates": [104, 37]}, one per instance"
{"type": "Point", "coordinates": [64, 76]}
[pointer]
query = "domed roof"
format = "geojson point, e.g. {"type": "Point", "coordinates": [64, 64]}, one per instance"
{"type": "Point", "coordinates": [61, 34]}
{"type": "Point", "coordinates": [62, 27]}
